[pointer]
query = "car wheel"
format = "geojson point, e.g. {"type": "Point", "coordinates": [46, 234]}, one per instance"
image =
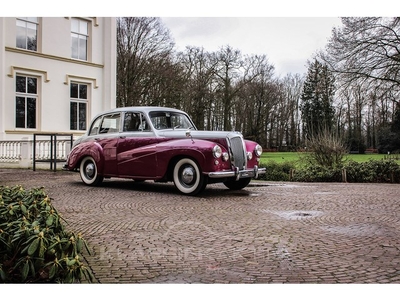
{"type": "Point", "coordinates": [237, 185]}
{"type": "Point", "coordinates": [188, 178]}
{"type": "Point", "coordinates": [88, 172]}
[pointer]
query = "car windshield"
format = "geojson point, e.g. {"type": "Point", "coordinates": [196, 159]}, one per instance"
{"type": "Point", "coordinates": [174, 120]}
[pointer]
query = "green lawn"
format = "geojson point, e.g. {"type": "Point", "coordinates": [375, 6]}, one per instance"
{"type": "Point", "coordinates": [281, 157]}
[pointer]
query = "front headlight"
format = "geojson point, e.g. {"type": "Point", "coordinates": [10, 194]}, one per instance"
{"type": "Point", "coordinates": [258, 150]}
{"type": "Point", "coordinates": [217, 151]}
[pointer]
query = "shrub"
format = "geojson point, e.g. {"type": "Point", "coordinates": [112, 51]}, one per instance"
{"type": "Point", "coordinates": [316, 173]}
{"type": "Point", "coordinates": [277, 171]}
{"type": "Point", "coordinates": [373, 171]}
{"type": "Point", "coordinates": [325, 149]}
{"type": "Point", "coordinates": [34, 245]}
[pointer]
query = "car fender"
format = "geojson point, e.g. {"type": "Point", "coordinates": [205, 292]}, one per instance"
{"type": "Point", "coordinates": [80, 151]}
{"type": "Point", "coordinates": [250, 146]}
{"type": "Point", "coordinates": [200, 150]}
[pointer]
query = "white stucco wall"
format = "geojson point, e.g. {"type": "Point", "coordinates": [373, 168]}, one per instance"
{"type": "Point", "coordinates": [53, 65]}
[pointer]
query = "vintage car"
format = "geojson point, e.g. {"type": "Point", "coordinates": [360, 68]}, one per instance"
{"type": "Point", "coordinates": [162, 144]}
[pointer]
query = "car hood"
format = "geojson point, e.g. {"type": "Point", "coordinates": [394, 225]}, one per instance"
{"type": "Point", "coordinates": [198, 134]}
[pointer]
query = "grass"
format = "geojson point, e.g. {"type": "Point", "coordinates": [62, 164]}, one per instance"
{"type": "Point", "coordinates": [280, 157]}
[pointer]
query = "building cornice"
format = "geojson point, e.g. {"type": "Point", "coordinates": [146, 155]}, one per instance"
{"type": "Point", "coordinates": [53, 57]}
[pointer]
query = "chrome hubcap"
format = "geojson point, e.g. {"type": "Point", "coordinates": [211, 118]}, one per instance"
{"type": "Point", "coordinates": [188, 175]}
{"type": "Point", "coordinates": [89, 170]}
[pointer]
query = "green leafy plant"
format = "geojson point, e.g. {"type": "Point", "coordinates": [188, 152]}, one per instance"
{"type": "Point", "coordinates": [277, 171]}
{"type": "Point", "coordinates": [34, 244]}
{"type": "Point", "coordinates": [316, 173]}
{"type": "Point", "coordinates": [373, 171]}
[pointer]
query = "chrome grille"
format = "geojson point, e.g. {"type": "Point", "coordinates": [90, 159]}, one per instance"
{"type": "Point", "coordinates": [238, 153]}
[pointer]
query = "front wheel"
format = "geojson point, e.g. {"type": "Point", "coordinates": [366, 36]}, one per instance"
{"type": "Point", "coordinates": [88, 171]}
{"type": "Point", "coordinates": [188, 178]}
{"type": "Point", "coordinates": [237, 185]}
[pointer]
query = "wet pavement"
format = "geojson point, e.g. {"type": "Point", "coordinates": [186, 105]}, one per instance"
{"type": "Point", "coordinates": [267, 233]}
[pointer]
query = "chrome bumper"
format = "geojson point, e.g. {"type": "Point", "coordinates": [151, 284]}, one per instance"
{"type": "Point", "coordinates": [252, 173]}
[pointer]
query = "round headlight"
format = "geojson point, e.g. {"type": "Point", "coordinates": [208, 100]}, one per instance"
{"type": "Point", "coordinates": [258, 150]}
{"type": "Point", "coordinates": [225, 156]}
{"type": "Point", "coordinates": [217, 151]}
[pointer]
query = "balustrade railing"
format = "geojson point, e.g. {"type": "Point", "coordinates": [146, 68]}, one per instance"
{"type": "Point", "coordinates": [10, 151]}
{"type": "Point", "coordinates": [25, 153]}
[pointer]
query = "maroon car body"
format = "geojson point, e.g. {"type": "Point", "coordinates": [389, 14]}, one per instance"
{"type": "Point", "coordinates": [162, 144]}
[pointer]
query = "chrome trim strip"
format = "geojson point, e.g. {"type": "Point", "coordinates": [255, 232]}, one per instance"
{"type": "Point", "coordinates": [241, 174]}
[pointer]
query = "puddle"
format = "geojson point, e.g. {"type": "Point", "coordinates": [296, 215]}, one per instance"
{"type": "Point", "coordinates": [358, 230]}
{"type": "Point", "coordinates": [297, 214]}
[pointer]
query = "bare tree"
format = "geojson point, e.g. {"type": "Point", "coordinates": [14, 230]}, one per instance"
{"type": "Point", "coordinates": [292, 85]}
{"type": "Point", "coordinates": [144, 47]}
{"type": "Point", "coordinates": [199, 79]}
{"type": "Point", "coordinates": [366, 49]}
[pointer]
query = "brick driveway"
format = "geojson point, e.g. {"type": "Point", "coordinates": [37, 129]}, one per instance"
{"type": "Point", "coordinates": [268, 233]}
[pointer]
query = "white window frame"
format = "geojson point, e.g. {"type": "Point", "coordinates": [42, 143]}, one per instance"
{"type": "Point", "coordinates": [79, 101]}
{"type": "Point", "coordinates": [27, 95]}
{"type": "Point", "coordinates": [79, 34]}
{"type": "Point", "coordinates": [28, 21]}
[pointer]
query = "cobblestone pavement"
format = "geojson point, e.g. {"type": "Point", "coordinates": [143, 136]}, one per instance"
{"type": "Point", "coordinates": [267, 233]}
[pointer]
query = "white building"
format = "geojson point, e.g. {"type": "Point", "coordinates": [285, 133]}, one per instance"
{"type": "Point", "coordinates": [56, 74]}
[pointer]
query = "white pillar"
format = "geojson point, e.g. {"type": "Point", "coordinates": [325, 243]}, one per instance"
{"type": "Point", "coordinates": [26, 153]}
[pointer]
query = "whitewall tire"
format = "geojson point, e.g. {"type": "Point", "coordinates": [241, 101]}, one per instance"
{"type": "Point", "coordinates": [88, 171]}
{"type": "Point", "coordinates": [188, 178]}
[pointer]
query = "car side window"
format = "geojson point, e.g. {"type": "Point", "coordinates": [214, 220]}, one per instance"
{"type": "Point", "coordinates": [95, 126]}
{"type": "Point", "coordinates": [110, 123]}
{"type": "Point", "coordinates": [135, 122]}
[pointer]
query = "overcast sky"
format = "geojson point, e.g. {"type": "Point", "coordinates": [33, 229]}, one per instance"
{"type": "Point", "coordinates": [288, 32]}
{"type": "Point", "coordinates": [288, 42]}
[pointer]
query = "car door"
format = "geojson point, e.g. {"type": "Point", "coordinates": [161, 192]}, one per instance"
{"type": "Point", "coordinates": [107, 137]}
{"type": "Point", "coordinates": [136, 150]}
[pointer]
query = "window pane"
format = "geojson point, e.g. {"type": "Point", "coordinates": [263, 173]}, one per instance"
{"type": "Point", "coordinates": [20, 112]}
{"type": "Point", "coordinates": [20, 84]}
{"type": "Point", "coordinates": [82, 116]}
{"type": "Point", "coordinates": [95, 126]}
{"type": "Point", "coordinates": [32, 85]}
{"type": "Point", "coordinates": [74, 91]}
{"type": "Point", "coordinates": [31, 37]}
{"type": "Point", "coordinates": [75, 25]}
{"type": "Point", "coordinates": [74, 45]}
{"type": "Point", "coordinates": [82, 47]}
{"type": "Point", "coordinates": [31, 113]}
{"type": "Point", "coordinates": [83, 27]}
{"type": "Point", "coordinates": [73, 116]}
{"type": "Point", "coordinates": [110, 124]}
{"type": "Point", "coordinates": [82, 91]}
{"type": "Point", "coordinates": [21, 35]}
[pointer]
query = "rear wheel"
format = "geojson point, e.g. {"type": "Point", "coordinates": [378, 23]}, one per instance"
{"type": "Point", "coordinates": [237, 185]}
{"type": "Point", "coordinates": [88, 171]}
{"type": "Point", "coordinates": [188, 178]}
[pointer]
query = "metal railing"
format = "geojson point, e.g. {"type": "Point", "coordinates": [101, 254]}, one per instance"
{"type": "Point", "coordinates": [50, 148]}
{"type": "Point", "coordinates": [26, 153]}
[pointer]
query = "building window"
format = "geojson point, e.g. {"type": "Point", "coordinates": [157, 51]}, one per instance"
{"type": "Point", "coordinates": [27, 33]}
{"type": "Point", "coordinates": [26, 102]}
{"type": "Point", "coordinates": [78, 107]}
{"type": "Point", "coordinates": [79, 38]}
